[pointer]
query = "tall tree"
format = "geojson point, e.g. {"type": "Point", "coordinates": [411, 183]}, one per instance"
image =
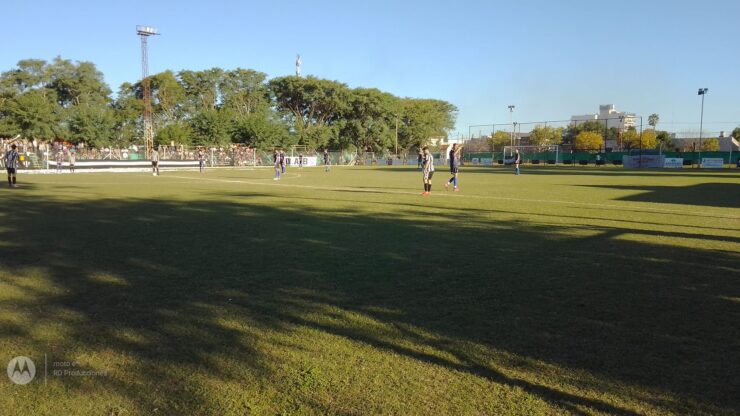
{"type": "Point", "coordinates": [499, 139]}
{"type": "Point", "coordinates": [211, 127]}
{"type": "Point", "coordinates": [633, 140]}
{"type": "Point", "coordinates": [202, 88]}
{"type": "Point", "coordinates": [245, 92]}
{"type": "Point", "coordinates": [261, 132]}
{"type": "Point", "coordinates": [92, 124]}
{"type": "Point", "coordinates": [423, 119]}
{"type": "Point", "coordinates": [546, 135]}
{"type": "Point", "coordinates": [664, 140]}
{"type": "Point", "coordinates": [36, 115]}
{"type": "Point", "coordinates": [589, 140]}
{"type": "Point", "coordinates": [370, 120]}
{"type": "Point", "coordinates": [736, 133]}
{"type": "Point", "coordinates": [710, 145]}
{"type": "Point", "coordinates": [168, 99]}
{"type": "Point", "coordinates": [128, 109]}
{"type": "Point", "coordinates": [75, 83]}
{"type": "Point", "coordinates": [312, 106]}
{"type": "Point", "coordinates": [653, 120]}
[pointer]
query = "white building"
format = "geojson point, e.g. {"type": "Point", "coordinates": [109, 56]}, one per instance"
{"type": "Point", "coordinates": [609, 115]}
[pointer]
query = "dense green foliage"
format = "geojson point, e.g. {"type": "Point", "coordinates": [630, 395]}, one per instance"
{"type": "Point", "coordinates": [70, 101]}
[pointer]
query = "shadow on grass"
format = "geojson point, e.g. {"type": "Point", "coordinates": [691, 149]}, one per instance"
{"type": "Point", "coordinates": [159, 282]}
{"type": "Point", "coordinates": [722, 195]}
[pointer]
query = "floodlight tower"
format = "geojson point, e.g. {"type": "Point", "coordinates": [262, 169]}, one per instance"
{"type": "Point", "coordinates": [511, 119]}
{"type": "Point", "coordinates": [144, 32]}
{"type": "Point", "coordinates": [703, 92]}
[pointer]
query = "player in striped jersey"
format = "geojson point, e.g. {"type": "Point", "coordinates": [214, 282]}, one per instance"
{"type": "Point", "coordinates": [428, 171]}
{"type": "Point", "coordinates": [12, 159]}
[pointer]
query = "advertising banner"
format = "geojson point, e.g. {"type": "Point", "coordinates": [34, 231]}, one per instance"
{"type": "Point", "coordinates": [673, 162]}
{"type": "Point", "coordinates": [644, 161]}
{"type": "Point", "coordinates": [307, 160]}
{"type": "Point", "coordinates": [712, 162]}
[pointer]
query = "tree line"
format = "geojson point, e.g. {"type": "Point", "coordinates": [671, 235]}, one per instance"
{"type": "Point", "coordinates": [592, 135]}
{"type": "Point", "coordinates": [66, 100]}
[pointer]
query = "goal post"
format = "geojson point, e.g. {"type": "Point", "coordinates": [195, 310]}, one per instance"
{"type": "Point", "coordinates": [536, 155]}
{"type": "Point", "coordinates": [298, 149]}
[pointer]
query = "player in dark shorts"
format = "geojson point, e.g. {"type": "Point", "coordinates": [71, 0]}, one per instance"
{"type": "Point", "coordinates": [201, 160]}
{"type": "Point", "coordinates": [517, 161]}
{"type": "Point", "coordinates": [420, 160]}
{"type": "Point", "coordinates": [327, 161]}
{"type": "Point", "coordinates": [300, 161]}
{"type": "Point", "coordinates": [282, 161]}
{"type": "Point", "coordinates": [454, 160]}
{"type": "Point", "coordinates": [12, 159]}
{"type": "Point", "coordinates": [155, 162]}
{"type": "Point", "coordinates": [72, 159]}
{"type": "Point", "coordinates": [428, 171]}
{"type": "Point", "coordinates": [276, 158]}
{"type": "Point", "coordinates": [60, 161]}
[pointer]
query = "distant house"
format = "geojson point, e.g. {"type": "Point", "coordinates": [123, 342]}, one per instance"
{"type": "Point", "coordinates": [687, 141]}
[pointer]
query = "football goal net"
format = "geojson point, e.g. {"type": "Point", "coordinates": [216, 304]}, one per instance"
{"type": "Point", "coordinates": [549, 154]}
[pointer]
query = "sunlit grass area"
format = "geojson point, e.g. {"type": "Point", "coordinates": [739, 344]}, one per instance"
{"type": "Point", "coordinates": [560, 291]}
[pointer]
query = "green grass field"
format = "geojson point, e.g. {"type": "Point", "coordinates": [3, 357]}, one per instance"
{"type": "Point", "coordinates": [561, 291]}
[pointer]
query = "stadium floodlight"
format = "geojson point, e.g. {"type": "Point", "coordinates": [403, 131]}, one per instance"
{"type": "Point", "coordinates": [702, 92]}
{"type": "Point", "coordinates": [146, 30]}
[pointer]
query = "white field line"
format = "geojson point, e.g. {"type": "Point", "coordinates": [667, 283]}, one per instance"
{"type": "Point", "coordinates": [499, 198]}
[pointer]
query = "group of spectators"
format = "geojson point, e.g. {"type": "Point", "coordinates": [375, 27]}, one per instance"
{"type": "Point", "coordinates": [30, 150]}
{"type": "Point", "coordinates": [34, 153]}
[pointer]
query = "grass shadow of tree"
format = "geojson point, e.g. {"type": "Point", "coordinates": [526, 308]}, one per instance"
{"type": "Point", "coordinates": [163, 283]}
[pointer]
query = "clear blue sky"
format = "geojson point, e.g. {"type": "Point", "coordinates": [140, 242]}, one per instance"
{"type": "Point", "coordinates": [552, 59]}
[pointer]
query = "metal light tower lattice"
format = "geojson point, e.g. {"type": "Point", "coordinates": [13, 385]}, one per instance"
{"type": "Point", "coordinates": [144, 32]}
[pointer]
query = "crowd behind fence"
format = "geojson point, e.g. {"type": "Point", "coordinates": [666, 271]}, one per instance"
{"type": "Point", "coordinates": [37, 155]}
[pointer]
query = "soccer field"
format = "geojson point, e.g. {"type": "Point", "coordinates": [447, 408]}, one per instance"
{"type": "Point", "coordinates": [559, 291]}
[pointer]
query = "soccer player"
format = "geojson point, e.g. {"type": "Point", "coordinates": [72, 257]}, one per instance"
{"type": "Point", "coordinates": [420, 159]}
{"type": "Point", "coordinates": [12, 158]}
{"type": "Point", "coordinates": [300, 160]}
{"type": "Point", "coordinates": [517, 161]}
{"type": "Point", "coordinates": [72, 158]}
{"type": "Point", "coordinates": [60, 160]}
{"type": "Point", "coordinates": [282, 161]}
{"type": "Point", "coordinates": [327, 161]}
{"type": "Point", "coordinates": [201, 160]}
{"type": "Point", "coordinates": [155, 162]}
{"type": "Point", "coordinates": [428, 171]}
{"type": "Point", "coordinates": [454, 158]}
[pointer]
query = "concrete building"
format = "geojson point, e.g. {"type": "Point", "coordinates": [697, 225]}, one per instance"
{"type": "Point", "coordinates": [608, 115]}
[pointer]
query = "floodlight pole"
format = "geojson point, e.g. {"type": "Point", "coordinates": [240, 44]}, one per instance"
{"type": "Point", "coordinates": [640, 141]}
{"type": "Point", "coordinates": [144, 32]}
{"type": "Point", "coordinates": [702, 92]}
{"type": "Point", "coordinates": [511, 120]}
